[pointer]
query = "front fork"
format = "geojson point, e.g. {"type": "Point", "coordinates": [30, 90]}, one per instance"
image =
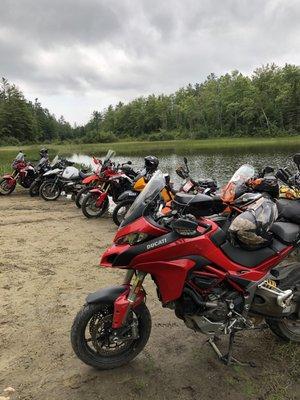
{"type": "Point", "coordinates": [131, 298]}
{"type": "Point", "coordinates": [103, 195]}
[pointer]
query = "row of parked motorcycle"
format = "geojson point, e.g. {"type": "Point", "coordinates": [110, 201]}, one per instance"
{"type": "Point", "coordinates": [92, 191]}
{"type": "Point", "coordinates": [215, 256]}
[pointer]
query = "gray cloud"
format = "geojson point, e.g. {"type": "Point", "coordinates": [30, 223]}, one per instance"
{"type": "Point", "coordinates": [115, 50]}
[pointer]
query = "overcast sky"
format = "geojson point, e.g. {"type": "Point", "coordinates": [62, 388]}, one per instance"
{"type": "Point", "coordinates": [80, 55]}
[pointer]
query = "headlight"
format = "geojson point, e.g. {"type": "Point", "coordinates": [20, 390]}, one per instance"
{"type": "Point", "coordinates": [132, 238]}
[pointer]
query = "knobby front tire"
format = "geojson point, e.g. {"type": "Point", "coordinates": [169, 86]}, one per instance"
{"type": "Point", "coordinates": [48, 193]}
{"type": "Point", "coordinates": [5, 190]}
{"type": "Point", "coordinates": [80, 196]}
{"type": "Point", "coordinates": [126, 204]}
{"type": "Point", "coordinates": [89, 208]}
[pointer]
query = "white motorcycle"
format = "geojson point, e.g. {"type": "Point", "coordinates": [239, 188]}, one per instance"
{"type": "Point", "coordinates": [66, 180]}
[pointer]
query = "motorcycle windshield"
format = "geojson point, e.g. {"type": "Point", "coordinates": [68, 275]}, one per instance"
{"type": "Point", "coordinates": [151, 191]}
{"type": "Point", "coordinates": [54, 161]}
{"type": "Point", "coordinates": [42, 161]}
{"type": "Point", "coordinates": [110, 154]}
{"type": "Point", "coordinates": [240, 177]}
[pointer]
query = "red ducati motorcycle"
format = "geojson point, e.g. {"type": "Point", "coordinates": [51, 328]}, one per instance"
{"type": "Point", "coordinates": [214, 287]}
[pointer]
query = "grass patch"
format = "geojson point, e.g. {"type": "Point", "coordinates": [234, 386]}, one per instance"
{"type": "Point", "coordinates": [175, 146]}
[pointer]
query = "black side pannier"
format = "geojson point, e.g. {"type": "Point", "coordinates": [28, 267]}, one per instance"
{"type": "Point", "coordinates": [289, 210]}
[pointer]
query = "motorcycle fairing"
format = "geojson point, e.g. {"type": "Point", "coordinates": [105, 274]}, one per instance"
{"type": "Point", "coordinates": [169, 262]}
{"type": "Point", "coordinates": [54, 171]}
{"type": "Point", "coordinates": [90, 179]}
{"type": "Point", "coordinates": [141, 225]}
{"type": "Point", "coordinates": [127, 256]}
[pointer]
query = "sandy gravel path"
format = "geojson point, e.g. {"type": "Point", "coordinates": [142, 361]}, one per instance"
{"type": "Point", "coordinates": [48, 263]}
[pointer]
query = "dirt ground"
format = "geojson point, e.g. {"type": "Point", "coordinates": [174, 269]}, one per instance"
{"type": "Point", "coordinates": [48, 264]}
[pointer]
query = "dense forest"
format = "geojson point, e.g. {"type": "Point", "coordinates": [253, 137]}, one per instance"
{"type": "Point", "coordinates": [265, 104]}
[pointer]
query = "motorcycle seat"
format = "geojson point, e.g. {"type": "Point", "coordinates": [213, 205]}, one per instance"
{"type": "Point", "coordinates": [184, 198]}
{"type": "Point", "coordinates": [286, 231]}
{"type": "Point", "coordinates": [247, 258]}
{"type": "Point", "coordinates": [198, 205]}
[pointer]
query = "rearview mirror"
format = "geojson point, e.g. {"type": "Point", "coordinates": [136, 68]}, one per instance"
{"type": "Point", "coordinates": [129, 162]}
{"type": "Point", "coordinates": [185, 227]}
{"type": "Point", "coordinates": [185, 160]}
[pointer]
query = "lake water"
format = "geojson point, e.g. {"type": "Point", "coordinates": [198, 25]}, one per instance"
{"type": "Point", "coordinates": [219, 165]}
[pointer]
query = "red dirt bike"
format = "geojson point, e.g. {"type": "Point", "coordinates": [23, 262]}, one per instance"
{"type": "Point", "coordinates": [213, 286]}
{"type": "Point", "coordinates": [24, 174]}
{"type": "Point", "coordinates": [112, 183]}
{"type": "Point", "coordinates": [89, 182]}
{"type": "Point", "coordinates": [97, 178]}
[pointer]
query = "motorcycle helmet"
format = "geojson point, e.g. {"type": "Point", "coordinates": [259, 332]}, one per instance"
{"type": "Point", "coordinates": [44, 153]}
{"type": "Point", "coordinates": [151, 163]}
{"type": "Point", "coordinates": [250, 229]}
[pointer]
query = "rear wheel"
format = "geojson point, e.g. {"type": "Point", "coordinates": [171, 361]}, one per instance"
{"type": "Point", "coordinates": [6, 188]}
{"type": "Point", "coordinates": [81, 195]}
{"type": "Point", "coordinates": [96, 343]}
{"type": "Point", "coordinates": [288, 328]}
{"type": "Point", "coordinates": [50, 191]}
{"type": "Point", "coordinates": [89, 207]}
{"type": "Point", "coordinates": [120, 211]}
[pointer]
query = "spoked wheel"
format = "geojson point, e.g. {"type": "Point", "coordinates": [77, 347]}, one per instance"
{"type": "Point", "coordinates": [50, 191]}
{"type": "Point", "coordinates": [288, 328]}
{"type": "Point", "coordinates": [120, 211]}
{"type": "Point", "coordinates": [81, 195]}
{"type": "Point", "coordinates": [89, 206]}
{"type": "Point", "coordinates": [96, 343]}
{"type": "Point", "coordinates": [6, 188]}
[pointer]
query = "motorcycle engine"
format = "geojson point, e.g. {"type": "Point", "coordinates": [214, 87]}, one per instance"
{"type": "Point", "coordinates": [211, 312]}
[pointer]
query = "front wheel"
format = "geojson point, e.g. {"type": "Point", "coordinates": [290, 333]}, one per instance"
{"type": "Point", "coordinates": [81, 195]}
{"type": "Point", "coordinates": [34, 189]}
{"type": "Point", "coordinates": [288, 328]}
{"type": "Point", "coordinates": [90, 208]}
{"type": "Point", "coordinates": [6, 188]}
{"type": "Point", "coordinates": [50, 191]}
{"type": "Point", "coordinates": [96, 343]}
{"type": "Point", "coordinates": [120, 211]}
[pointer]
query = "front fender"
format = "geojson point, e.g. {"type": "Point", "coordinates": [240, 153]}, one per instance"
{"type": "Point", "coordinates": [9, 179]}
{"type": "Point", "coordinates": [96, 190]}
{"type": "Point", "coordinates": [107, 295]}
{"type": "Point", "coordinates": [117, 295]}
{"type": "Point", "coordinates": [128, 194]}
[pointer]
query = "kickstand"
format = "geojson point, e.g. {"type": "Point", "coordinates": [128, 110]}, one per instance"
{"type": "Point", "coordinates": [227, 358]}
